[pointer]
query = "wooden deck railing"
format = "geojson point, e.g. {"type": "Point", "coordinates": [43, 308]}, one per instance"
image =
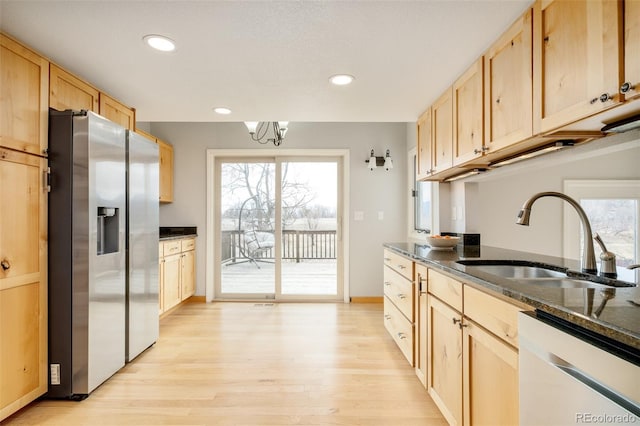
{"type": "Point", "coordinates": [296, 245]}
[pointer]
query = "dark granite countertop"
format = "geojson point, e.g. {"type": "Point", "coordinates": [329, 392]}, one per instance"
{"type": "Point", "coordinates": [177, 232]}
{"type": "Point", "coordinates": [619, 320]}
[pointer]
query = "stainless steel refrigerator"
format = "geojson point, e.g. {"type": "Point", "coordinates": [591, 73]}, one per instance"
{"type": "Point", "coordinates": [143, 227]}
{"type": "Point", "coordinates": [89, 308]}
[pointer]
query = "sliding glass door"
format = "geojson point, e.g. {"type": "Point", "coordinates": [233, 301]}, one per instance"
{"type": "Point", "coordinates": [279, 228]}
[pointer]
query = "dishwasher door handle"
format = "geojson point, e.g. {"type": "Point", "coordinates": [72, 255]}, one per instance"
{"type": "Point", "coordinates": [592, 383]}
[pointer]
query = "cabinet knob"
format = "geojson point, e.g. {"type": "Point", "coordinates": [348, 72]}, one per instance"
{"type": "Point", "coordinates": [402, 336]}
{"type": "Point", "coordinates": [401, 296]}
{"type": "Point", "coordinates": [456, 320]}
{"type": "Point", "coordinates": [605, 97]}
{"type": "Point", "coordinates": [387, 317]}
{"type": "Point", "coordinates": [5, 265]}
{"type": "Point", "coordinates": [626, 87]}
{"type": "Point", "coordinates": [602, 98]}
{"type": "Point", "coordinates": [387, 283]}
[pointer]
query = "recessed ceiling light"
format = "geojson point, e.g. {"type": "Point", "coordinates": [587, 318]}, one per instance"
{"type": "Point", "coordinates": [222, 110]}
{"type": "Point", "coordinates": [341, 79]}
{"type": "Point", "coordinates": [159, 42]}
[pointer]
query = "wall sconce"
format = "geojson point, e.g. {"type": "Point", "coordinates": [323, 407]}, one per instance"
{"type": "Point", "coordinates": [373, 161]}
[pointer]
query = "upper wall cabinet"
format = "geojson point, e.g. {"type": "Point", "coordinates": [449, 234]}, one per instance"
{"type": "Point", "coordinates": [631, 85]}
{"type": "Point", "coordinates": [166, 171]}
{"type": "Point", "coordinates": [468, 134]}
{"type": "Point", "coordinates": [442, 132]}
{"type": "Point", "coordinates": [576, 60]}
{"type": "Point", "coordinates": [24, 98]}
{"type": "Point", "coordinates": [67, 91]}
{"type": "Point", "coordinates": [425, 149]}
{"type": "Point", "coordinates": [117, 112]}
{"type": "Point", "coordinates": [508, 86]}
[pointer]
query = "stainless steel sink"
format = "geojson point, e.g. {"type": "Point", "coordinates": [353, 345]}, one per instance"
{"type": "Point", "coordinates": [539, 274]}
{"type": "Point", "coordinates": [518, 271]}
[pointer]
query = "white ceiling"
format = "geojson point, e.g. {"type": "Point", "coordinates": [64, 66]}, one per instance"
{"type": "Point", "coordinates": [265, 60]}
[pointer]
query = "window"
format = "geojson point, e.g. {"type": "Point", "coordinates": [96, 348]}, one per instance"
{"type": "Point", "coordinates": [613, 209]}
{"type": "Point", "coordinates": [421, 201]}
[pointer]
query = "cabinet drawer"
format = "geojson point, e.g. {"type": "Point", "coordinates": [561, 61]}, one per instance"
{"type": "Point", "coordinates": [171, 247]}
{"type": "Point", "coordinates": [400, 291]}
{"type": "Point", "coordinates": [497, 316]}
{"type": "Point", "coordinates": [446, 289]}
{"type": "Point", "coordinates": [188, 244]}
{"type": "Point", "coordinates": [399, 263]}
{"type": "Point", "coordinates": [399, 328]}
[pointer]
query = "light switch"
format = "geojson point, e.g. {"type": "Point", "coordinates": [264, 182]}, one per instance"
{"type": "Point", "coordinates": [358, 216]}
{"type": "Point", "coordinates": [380, 215]}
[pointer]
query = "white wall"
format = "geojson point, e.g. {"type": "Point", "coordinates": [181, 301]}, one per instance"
{"type": "Point", "coordinates": [491, 202]}
{"type": "Point", "coordinates": [370, 191]}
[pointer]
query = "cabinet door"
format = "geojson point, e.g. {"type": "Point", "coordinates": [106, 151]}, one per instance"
{"type": "Point", "coordinates": [171, 281]}
{"type": "Point", "coordinates": [424, 149]}
{"type": "Point", "coordinates": [577, 58]}
{"type": "Point", "coordinates": [117, 112]}
{"type": "Point", "coordinates": [508, 94]}
{"type": "Point", "coordinates": [468, 104]}
{"type": "Point", "coordinates": [421, 324]}
{"type": "Point", "coordinates": [69, 92]}
{"type": "Point", "coordinates": [490, 379]}
{"type": "Point", "coordinates": [442, 131]}
{"type": "Point", "coordinates": [24, 98]}
{"type": "Point", "coordinates": [23, 286]}
{"type": "Point", "coordinates": [445, 359]}
{"type": "Point", "coordinates": [166, 171]}
{"type": "Point", "coordinates": [632, 49]}
{"type": "Point", "coordinates": [188, 272]}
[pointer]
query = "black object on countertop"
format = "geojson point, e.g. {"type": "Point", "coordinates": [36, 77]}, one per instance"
{"type": "Point", "coordinates": [176, 231]}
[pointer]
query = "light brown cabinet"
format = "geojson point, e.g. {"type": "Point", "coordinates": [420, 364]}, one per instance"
{"type": "Point", "coordinates": [508, 95]}
{"type": "Point", "coordinates": [576, 60]}
{"type": "Point", "coordinates": [444, 345]}
{"type": "Point", "coordinates": [166, 171]}
{"type": "Point", "coordinates": [67, 91]}
{"type": "Point", "coordinates": [24, 98]}
{"type": "Point", "coordinates": [421, 322]}
{"type": "Point", "coordinates": [188, 269]}
{"type": "Point", "coordinates": [631, 85]}
{"type": "Point", "coordinates": [424, 147]}
{"type": "Point", "coordinates": [399, 302]}
{"type": "Point", "coordinates": [468, 116]}
{"type": "Point", "coordinates": [177, 272]}
{"type": "Point", "coordinates": [117, 112]}
{"type": "Point", "coordinates": [442, 132]}
{"type": "Point", "coordinates": [472, 352]}
{"type": "Point", "coordinates": [23, 280]}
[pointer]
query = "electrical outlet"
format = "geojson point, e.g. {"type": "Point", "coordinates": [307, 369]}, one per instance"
{"type": "Point", "coordinates": [55, 373]}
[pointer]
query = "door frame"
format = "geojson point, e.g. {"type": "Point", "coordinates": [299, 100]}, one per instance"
{"type": "Point", "coordinates": [212, 248]}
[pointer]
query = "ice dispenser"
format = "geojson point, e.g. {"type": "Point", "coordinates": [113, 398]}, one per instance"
{"type": "Point", "coordinates": [108, 230]}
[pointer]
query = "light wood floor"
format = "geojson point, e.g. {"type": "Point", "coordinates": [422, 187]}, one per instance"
{"type": "Point", "coordinates": [257, 364]}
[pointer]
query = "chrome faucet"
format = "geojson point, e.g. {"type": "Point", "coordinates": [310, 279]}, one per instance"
{"type": "Point", "coordinates": [588, 260]}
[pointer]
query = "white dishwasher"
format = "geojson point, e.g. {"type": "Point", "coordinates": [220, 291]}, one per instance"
{"type": "Point", "coordinates": [567, 380]}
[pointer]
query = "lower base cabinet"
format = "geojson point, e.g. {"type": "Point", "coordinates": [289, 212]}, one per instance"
{"type": "Point", "coordinates": [177, 272]}
{"type": "Point", "coordinates": [465, 348]}
{"type": "Point", "coordinates": [490, 379]}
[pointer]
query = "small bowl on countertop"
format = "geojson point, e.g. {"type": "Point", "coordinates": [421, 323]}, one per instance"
{"type": "Point", "coordinates": [439, 242]}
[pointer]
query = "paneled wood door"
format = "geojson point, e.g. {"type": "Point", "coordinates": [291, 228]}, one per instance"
{"type": "Point", "coordinates": [24, 98]}
{"type": "Point", "coordinates": [577, 60]}
{"type": "Point", "coordinates": [508, 86]}
{"type": "Point", "coordinates": [445, 359]}
{"type": "Point", "coordinates": [66, 91]}
{"type": "Point", "coordinates": [425, 147]}
{"type": "Point", "coordinates": [23, 281]}
{"type": "Point", "coordinates": [468, 105]}
{"type": "Point", "coordinates": [631, 88]}
{"type": "Point", "coordinates": [442, 131]}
